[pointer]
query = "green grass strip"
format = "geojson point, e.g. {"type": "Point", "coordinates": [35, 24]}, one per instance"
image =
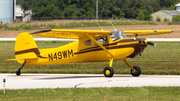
{"type": "Point", "coordinates": [94, 94]}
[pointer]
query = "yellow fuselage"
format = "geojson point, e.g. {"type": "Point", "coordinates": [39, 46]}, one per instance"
{"type": "Point", "coordinates": [79, 53]}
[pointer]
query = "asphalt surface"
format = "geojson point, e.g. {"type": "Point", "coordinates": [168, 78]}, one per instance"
{"type": "Point", "coordinates": [32, 81]}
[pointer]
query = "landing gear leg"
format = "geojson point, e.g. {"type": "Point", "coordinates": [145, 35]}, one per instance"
{"type": "Point", "coordinates": [135, 70]}
{"type": "Point", "coordinates": [18, 73]}
{"type": "Point", "coordinates": [108, 71]}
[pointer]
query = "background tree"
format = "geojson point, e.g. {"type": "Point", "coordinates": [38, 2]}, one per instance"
{"type": "Point", "coordinates": [141, 16]}
{"type": "Point", "coordinates": [173, 7]}
{"type": "Point", "coordinates": [176, 18]}
{"type": "Point", "coordinates": [135, 8]}
{"type": "Point", "coordinates": [27, 5]}
{"type": "Point", "coordinates": [18, 2]}
{"type": "Point", "coordinates": [106, 8]}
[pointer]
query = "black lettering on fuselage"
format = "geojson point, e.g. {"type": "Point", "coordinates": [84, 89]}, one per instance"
{"type": "Point", "coordinates": [64, 54]}
{"type": "Point", "coordinates": [60, 55]}
{"type": "Point", "coordinates": [50, 57]}
{"type": "Point", "coordinates": [69, 53]}
{"type": "Point", "coordinates": [55, 56]}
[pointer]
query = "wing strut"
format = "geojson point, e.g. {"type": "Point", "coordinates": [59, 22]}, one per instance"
{"type": "Point", "coordinates": [129, 65]}
{"type": "Point", "coordinates": [112, 56]}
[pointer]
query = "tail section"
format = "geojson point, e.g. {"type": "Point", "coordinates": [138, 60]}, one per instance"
{"type": "Point", "coordinates": [25, 47]}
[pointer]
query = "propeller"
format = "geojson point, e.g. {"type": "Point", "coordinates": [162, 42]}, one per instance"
{"type": "Point", "coordinates": [145, 41]}
{"type": "Point", "coordinates": [152, 44]}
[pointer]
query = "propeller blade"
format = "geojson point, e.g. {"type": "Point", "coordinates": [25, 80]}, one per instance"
{"type": "Point", "coordinates": [152, 44]}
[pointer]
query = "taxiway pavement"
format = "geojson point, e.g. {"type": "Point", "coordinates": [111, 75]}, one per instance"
{"type": "Point", "coordinates": [32, 81]}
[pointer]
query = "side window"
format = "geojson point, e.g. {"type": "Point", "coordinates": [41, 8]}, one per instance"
{"type": "Point", "coordinates": [88, 42]}
{"type": "Point", "coordinates": [105, 40]}
{"type": "Point", "coordinates": [102, 40]}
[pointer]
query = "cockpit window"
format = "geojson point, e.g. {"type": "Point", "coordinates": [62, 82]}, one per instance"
{"type": "Point", "coordinates": [101, 40]}
{"type": "Point", "coordinates": [116, 35]}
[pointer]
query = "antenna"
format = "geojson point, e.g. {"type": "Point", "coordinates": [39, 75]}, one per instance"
{"type": "Point", "coordinates": [99, 26]}
{"type": "Point", "coordinates": [112, 25]}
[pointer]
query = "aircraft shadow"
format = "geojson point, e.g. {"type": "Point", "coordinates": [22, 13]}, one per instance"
{"type": "Point", "coordinates": [78, 77]}
{"type": "Point", "coordinates": [44, 76]}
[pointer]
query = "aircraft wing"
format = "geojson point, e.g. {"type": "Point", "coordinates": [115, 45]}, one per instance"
{"type": "Point", "coordinates": [146, 32]}
{"type": "Point", "coordinates": [70, 34]}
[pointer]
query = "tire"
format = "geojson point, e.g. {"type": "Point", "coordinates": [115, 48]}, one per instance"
{"type": "Point", "coordinates": [108, 72]}
{"type": "Point", "coordinates": [137, 71]}
{"type": "Point", "coordinates": [18, 73]}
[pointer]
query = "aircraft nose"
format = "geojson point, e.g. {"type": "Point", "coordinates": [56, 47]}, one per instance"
{"type": "Point", "coordinates": [146, 42]}
{"type": "Point", "coordinates": [139, 49]}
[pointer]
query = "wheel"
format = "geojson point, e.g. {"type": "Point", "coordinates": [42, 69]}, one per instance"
{"type": "Point", "coordinates": [137, 71]}
{"type": "Point", "coordinates": [18, 73]}
{"type": "Point", "coordinates": [108, 72]}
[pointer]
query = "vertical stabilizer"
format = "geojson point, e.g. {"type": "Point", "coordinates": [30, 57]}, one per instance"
{"type": "Point", "coordinates": [25, 47]}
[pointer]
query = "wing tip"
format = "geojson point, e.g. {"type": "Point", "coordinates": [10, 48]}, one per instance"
{"type": "Point", "coordinates": [41, 31]}
{"type": "Point", "coordinates": [11, 59]}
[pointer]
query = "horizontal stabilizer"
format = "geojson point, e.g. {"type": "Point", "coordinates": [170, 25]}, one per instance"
{"type": "Point", "coordinates": [30, 58]}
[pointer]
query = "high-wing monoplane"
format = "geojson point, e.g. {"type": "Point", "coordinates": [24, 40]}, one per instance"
{"type": "Point", "coordinates": [91, 46]}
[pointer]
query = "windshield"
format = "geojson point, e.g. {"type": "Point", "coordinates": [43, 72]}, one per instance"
{"type": "Point", "coordinates": [116, 35]}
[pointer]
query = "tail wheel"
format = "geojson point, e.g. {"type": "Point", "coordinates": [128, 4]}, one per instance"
{"type": "Point", "coordinates": [18, 73]}
{"type": "Point", "coordinates": [108, 72]}
{"type": "Point", "coordinates": [137, 71]}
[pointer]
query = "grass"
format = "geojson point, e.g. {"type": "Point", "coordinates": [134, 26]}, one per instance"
{"type": "Point", "coordinates": [37, 25]}
{"type": "Point", "coordinates": [163, 59]}
{"type": "Point", "coordinates": [94, 94]}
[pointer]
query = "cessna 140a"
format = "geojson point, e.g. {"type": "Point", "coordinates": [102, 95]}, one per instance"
{"type": "Point", "coordinates": [114, 46]}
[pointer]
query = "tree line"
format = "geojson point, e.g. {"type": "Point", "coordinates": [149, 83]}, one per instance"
{"type": "Point", "coordinates": [140, 9]}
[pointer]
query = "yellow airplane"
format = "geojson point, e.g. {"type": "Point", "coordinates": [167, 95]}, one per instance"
{"type": "Point", "coordinates": [92, 46]}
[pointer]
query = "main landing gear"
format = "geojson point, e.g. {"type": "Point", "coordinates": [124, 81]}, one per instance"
{"type": "Point", "coordinates": [135, 70]}
{"type": "Point", "coordinates": [108, 72]}
{"type": "Point", "coordinates": [18, 73]}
